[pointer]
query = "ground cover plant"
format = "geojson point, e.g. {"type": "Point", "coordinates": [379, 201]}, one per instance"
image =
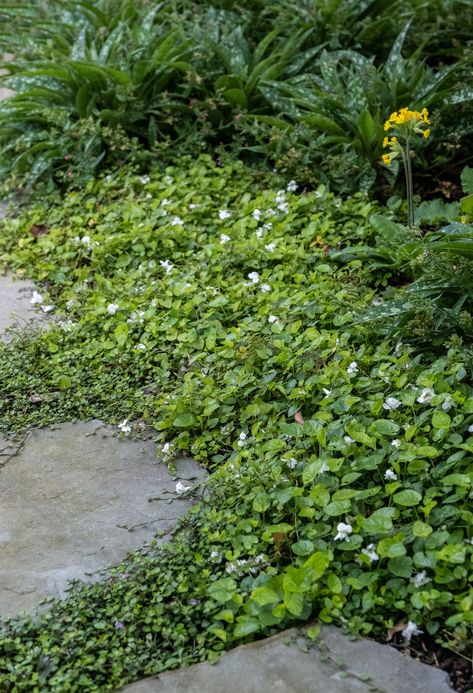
{"type": "Point", "coordinates": [207, 302]}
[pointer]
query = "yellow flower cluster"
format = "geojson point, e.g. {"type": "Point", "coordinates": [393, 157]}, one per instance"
{"type": "Point", "coordinates": [405, 116]}
{"type": "Point", "coordinates": [405, 122]}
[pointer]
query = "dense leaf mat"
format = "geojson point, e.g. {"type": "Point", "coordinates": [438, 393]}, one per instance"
{"type": "Point", "coordinates": [202, 301]}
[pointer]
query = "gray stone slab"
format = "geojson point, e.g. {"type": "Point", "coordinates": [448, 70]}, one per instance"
{"type": "Point", "coordinates": [74, 500]}
{"type": "Point", "coordinates": [333, 664]}
{"type": "Point", "coordinates": [15, 305]}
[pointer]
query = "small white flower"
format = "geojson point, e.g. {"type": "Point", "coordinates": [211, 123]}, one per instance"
{"type": "Point", "coordinates": [389, 475]}
{"type": "Point", "coordinates": [470, 428]}
{"type": "Point", "coordinates": [344, 531]}
{"type": "Point", "coordinates": [326, 392]}
{"type": "Point", "coordinates": [448, 403]}
{"type": "Point", "coordinates": [242, 439]}
{"type": "Point", "coordinates": [125, 427]}
{"type": "Point", "coordinates": [265, 288]}
{"type": "Point", "coordinates": [426, 396]}
{"type": "Point", "coordinates": [292, 186]}
{"type": "Point", "coordinates": [47, 309]}
{"type": "Point", "coordinates": [192, 206]}
{"type": "Point", "coordinates": [224, 214]}
{"type": "Point", "coordinates": [224, 238]}
{"type": "Point", "coordinates": [410, 630]}
{"type": "Point", "coordinates": [283, 207]}
{"type": "Point", "coordinates": [259, 232]}
{"type": "Point", "coordinates": [36, 298]}
{"type": "Point", "coordinates": [168, 180]}
{"type": "Point", "coordinates": [280, 196]}
{"type": "Point", "coordinates": [231, 568]}
{"type": "Point", "coordinates": [272, 319]}
{"type": "Point", "coordinates": [181, 488]}
{"type": "Point", "coordinates": [292, 463]}
{"type": "Point", "coordinates": [112, 308]}
{"type": "Point", "coordinates": [270, 247]}
{"type": "Point", "coordinates": [85, 240]}
{"type": "Point", "coordinates": [176, 221]}
{"type": "Point", "coordinates": [215, 554]}
{"type": "Point", "coordinates": [257, 214]}
{"type": "Point", "coordinates": [166, 265]}
{"type": "Point", "coordinates": [268, 226]}
{"type": "Point", "coordinates": [140, 347]}
{"type": "Point", "coordinates": [254, 276]}
{"type": "Point", "coordinates": [352, 368]}
{"type": "Point", "coordinates": [396, 443]}
{"type": "Point", "coordinates": [370, 552]}
{"type": "Point", "coordinates": [165, 202]}
{"type": "Point", "coordinates": [145, 179]}
{"type": "Point", "coordinates": [148, 196]}
{"type": "Point", "coordinates": [166, 448]}
{"type": "Point", "coordinates": [420, 579]}
{"type": "Point", "coordinates": [391, 403]}
{"type": "Point", "coordinates": [348, 440]}
{"type": "Point", "coordinates": [270, 213]}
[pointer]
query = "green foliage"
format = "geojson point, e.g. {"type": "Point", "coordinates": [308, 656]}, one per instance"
{"type": "Point", "coordinates": [438, 263]}
{"type": "Point", "coordinates": [229, 334]}
{"type": "Point", "coordinates": [292, 87]}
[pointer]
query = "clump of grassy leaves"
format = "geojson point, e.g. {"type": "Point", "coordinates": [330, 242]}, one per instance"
{"type": "Point", "coordinates": [231, 332]}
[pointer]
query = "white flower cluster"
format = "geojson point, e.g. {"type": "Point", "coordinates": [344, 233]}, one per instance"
{"type": "Point", "coordinates": [283, 206]}
{"type": "Point", "coordinates": [343, 531]}
{"type": "Point", "coordinates": [182, 488]}
{"type": "Point", "coordinates": [124, 427]}
{"type": "Point", "coordinates": [352, 368]}
{"type": "Point", "coordinates": [167, 266]}
{"type": "Point", "coordinates": [38, 300]}
{"type": "Point", "coordinates": [391, 403]}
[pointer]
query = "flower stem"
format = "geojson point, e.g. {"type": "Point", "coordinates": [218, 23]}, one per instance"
{"type": "Point", "coordinates": [409, 185]}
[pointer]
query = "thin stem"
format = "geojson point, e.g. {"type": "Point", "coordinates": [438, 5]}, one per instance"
{"type": "Point", "coordinates": [409, 185]}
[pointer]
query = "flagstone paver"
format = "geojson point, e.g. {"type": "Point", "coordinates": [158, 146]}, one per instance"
{"type": "Point", "coordinates": [75, 499]}
{"type": "Point", "coordinates": [283, 664]}
{"type": "Point", "coordinates": [16, 310]}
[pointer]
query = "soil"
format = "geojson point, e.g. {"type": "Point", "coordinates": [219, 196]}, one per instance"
{"type": "Point", "coordinates": [424, 649]}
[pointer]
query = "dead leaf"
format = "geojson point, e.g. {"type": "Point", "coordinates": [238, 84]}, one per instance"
{"type": "Point", "coordinates": [298, 417]}
{"type": "Point", "coordinates": [395, 629]}
{"type": "Point", "coordinates": [39, 230]}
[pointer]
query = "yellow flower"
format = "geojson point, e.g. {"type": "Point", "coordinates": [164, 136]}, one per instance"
{"type": "Point", "coordinates": [424, 114]}
{"type": "Point", "coordinates": [393, 139]}
{"type": "Point", "coordinates": [426, 133]}
{"type": "Point", "coordinates": [387, 125]}
{"type": "Point", "coordinates": [385, 142]}
{"type": "Point", "coordinates": [386, 159]}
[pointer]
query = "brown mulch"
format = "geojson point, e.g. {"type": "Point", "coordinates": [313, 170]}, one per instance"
{"type": "Point", "coordinates": [424, 649]}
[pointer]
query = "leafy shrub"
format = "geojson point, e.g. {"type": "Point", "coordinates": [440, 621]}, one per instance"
{"type": "Point", "coordinates": [437, 262]}
{"type": "Point", "coordinates": [342, 464]}
{"type": "Point", "coordinates": [257, 80]}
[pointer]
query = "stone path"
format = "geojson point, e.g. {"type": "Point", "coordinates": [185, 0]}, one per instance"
{"type": "Point", "coordinates": [284, 664]}
{"type": "Point", "coordinates": [74, 500]}
{"type": "Point", "coordinates": [15, 306]}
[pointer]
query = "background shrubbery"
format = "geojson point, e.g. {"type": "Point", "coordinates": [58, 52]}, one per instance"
{"type": "Point", "coordinates": [304, 88]}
